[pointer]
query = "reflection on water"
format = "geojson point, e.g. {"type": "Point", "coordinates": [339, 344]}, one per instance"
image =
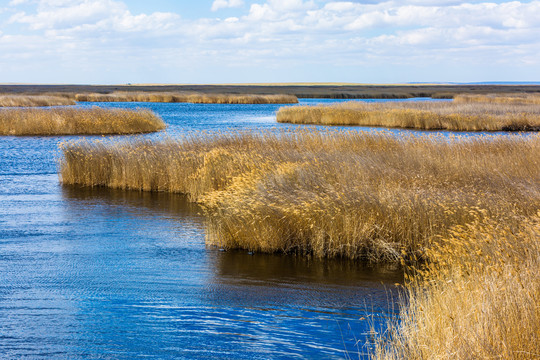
{"type": "Point", "coordinates": [163, 202]}
{"type": "Point", "coordinates": [238, 266]}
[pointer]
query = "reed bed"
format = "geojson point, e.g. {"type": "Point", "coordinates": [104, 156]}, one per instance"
{"type": "Point", "coordinates": [330, 194]}
{"type": "Point", "coordinates": [424, 115]}
{"type": "Point", "coordinates": [76, 121]}
{"type": "Point", "coordinates": [196, 98]}
{"type": "Point", "coordinates": [34, 100]}
{"type": "Point", "coordinates": [509, 99]}
{"type": "Point", "coordinates": [478, 298]}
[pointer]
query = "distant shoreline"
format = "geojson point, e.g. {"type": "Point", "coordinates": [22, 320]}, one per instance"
{"type": "Point", "coordinates": [300, 90]}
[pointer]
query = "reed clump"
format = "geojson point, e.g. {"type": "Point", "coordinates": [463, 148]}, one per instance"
{"type": "Point", "coordinates": [426, 115]}
{"type": "Point", "coordinates": [509, 99]}
{"type": "Point", "coordinates": [331, 194]}
{"type": "Point", "coordinates": [478, 297]}
{"type": "Point", "coordinates": [7, 100]}
{"type": "Point", "coordinates": [77, 121]}
{"type": "Point", "coordinates": [196, 98]}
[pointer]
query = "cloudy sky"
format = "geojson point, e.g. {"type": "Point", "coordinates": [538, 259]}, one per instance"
{"type": "Point", "coordinates": [238, 41]}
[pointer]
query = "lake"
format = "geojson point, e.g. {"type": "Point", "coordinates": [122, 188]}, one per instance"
{"type": "Point", "coordinates": [105, 274]}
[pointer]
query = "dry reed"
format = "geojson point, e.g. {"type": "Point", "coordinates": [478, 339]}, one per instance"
{"type": "Point", "coordinates": [509, 99]}
{"type": "Point", "coordinates": [419, 115]}
{"type": "Point", "coordinates": [7, 100]}
{"type": "Point", "coordinates": [76, 121]}
{"type": "Point", "coordinates": [198, 98]}
{"type": "Point", "coordinates": [333, 193]}
{"type": "Point", "coordinates": [479, 298]}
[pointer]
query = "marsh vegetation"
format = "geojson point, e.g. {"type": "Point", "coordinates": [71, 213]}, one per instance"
{"type": "Point", "coordinates": [332, 194]}
{"type": "Point", "coordinates": [508, 99]}
{"type": "Point", "coordinates": [13, 100]}
{"type": "Point", "coordinates": [77, 121]}
{"type": "Point", "coordinates": [477, 298]}
{"type": "Point", "coordinates": [195, 98]}
{"type": "Point", "coordinates": [300, 90]}
{"type": "Point", "coordinates": [455, 116]}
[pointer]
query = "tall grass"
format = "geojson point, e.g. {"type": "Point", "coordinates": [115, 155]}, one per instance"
{"type": "Point", "coordinates": [509, 99]}
{"type": "Point", "coordinates": [171, 97]}
{"type": "Point", "coordinates": [349, 194]}
{"type": "Point", "coordinates": [479, 297]}
{"type": "Point", "coordinates": [70, 121]}
{"type": "Point", "coordinates": [419, 115]}
{"type": "Point", "coordinates": [7, 100]}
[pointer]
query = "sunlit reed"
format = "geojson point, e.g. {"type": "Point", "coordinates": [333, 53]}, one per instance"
{"type": "Point", "coordinates": [426, 115]}
{"type": "Point", "coordinates": [509, 99]}
{"type": "Point", "coordinates": [478, 297]}
{"type": "Point", "coordinates": [351, 194]}
{"type": "Point", "coordinates": [77, 121]}
{"type": "Point", "coordinates": [172, 97]}
{"type": "Point", "coordinates": [7, 100]}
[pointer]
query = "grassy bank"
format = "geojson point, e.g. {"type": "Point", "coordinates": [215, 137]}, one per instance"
{"type": "Point", "coordinates": [509, 99]}
{"type": "Point", "coordinates": [70, 121]}
{"type": "Point", "coordinates": [419, 115]}
{"type": "Point", "coordinates": [34, 100]}
{"type": "Point", "coordinates": [196, 98]}
{"type": "Point", "coordinates": [479, 297]}
{"type": "Point", "coordinates": [349, 194]}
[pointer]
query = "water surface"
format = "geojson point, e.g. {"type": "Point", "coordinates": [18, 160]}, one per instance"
{"type": "Point", "coordinates": [105, 274]}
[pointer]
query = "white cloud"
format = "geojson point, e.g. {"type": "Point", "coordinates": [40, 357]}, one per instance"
{"type": "Point", "coordinates": [17, 2]}
{"type": "Point", "coordinates": [221, 4]}
{"type": "Point", "coordinates": [330, 34]}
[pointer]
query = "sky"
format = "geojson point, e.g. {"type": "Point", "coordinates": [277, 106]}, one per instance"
{"type": "Point", "coordinates": [268, 41]}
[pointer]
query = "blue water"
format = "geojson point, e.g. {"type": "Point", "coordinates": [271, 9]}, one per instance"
{"type": "Point", "coordinates": [103, 274]}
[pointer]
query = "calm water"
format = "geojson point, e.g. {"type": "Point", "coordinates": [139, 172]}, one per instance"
{"type": "Point", "coordinates": [101, 274]}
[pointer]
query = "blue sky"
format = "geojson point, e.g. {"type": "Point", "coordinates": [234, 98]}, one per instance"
{"type": "Point", "coordinates": [253, 41]}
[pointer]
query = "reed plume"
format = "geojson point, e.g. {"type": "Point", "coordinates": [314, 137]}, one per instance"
{"type": "Point", "coordinates": [477, 298]}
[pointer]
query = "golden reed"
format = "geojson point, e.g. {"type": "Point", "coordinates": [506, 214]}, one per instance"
{"type": "Point", "coordinates": [426, 115]}
{"type": "Point", "coordinates": [478, 297]}
{"type": "Point", "coordinates": [509, 99]}
{"type": "Point", "coordinates": [76, 121]}
{"type": "Point", "coordinates": [7, 100]}
{"type": "Point", "coordinates": [171, 97]}
{"type": "Point", "coordinates": [333, 193]}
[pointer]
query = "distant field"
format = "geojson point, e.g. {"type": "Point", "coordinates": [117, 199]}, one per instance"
{"type": "Point", "coordinates": [300, 90]}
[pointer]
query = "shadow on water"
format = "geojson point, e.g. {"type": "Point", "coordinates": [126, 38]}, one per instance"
{"type": "Point", "coordinates": [239, 266]}
{"type": "Point", "coordinates": [138, 201]}
{"type": "Point", "coordinates": [278, 268]}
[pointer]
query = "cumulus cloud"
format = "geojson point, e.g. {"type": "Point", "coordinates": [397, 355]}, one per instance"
{"type": "Point", "coordinates": [221, 4]}
{"type": "Point", "coordinates": [327, 33]}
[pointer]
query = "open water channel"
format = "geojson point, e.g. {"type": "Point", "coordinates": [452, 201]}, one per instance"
{"type": "Point", "coordinates": [103, 274]}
